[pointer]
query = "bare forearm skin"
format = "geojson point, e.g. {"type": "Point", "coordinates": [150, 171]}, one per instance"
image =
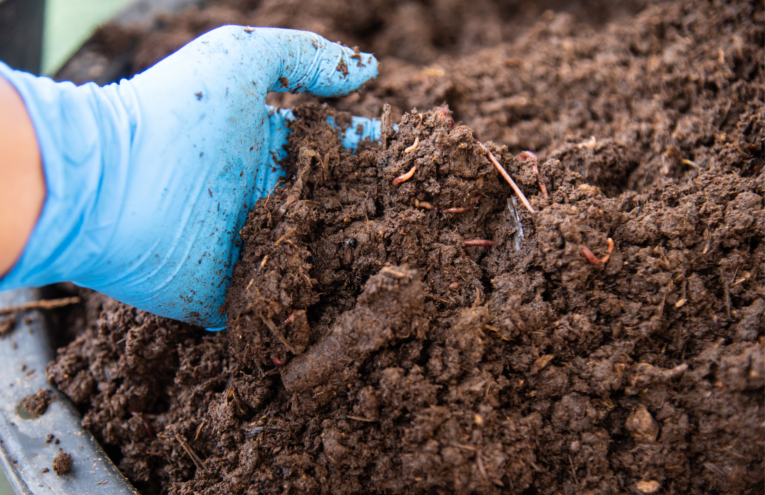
{"type": "Point", "coordinates": [22, 181]}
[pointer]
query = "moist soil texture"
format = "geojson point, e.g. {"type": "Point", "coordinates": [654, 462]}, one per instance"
{"type": "Point", "coordinates": [37, 403]}
{"type": "Point", "coordinates": [399, 322]}
{"type": "Point", "coordinates": [62, 463]}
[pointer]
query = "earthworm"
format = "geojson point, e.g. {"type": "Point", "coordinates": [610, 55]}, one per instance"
{"type": "Point", "coordinates": [607, 257]}
{"type": "Point", "coordinates": [403, 178]}
{"type": "Point", "coordinates": [508, 178]}
{"type": "Point", "coordinates": [534, 164]}
{"type": "Point", "coordinates": [594, 259]}
{"type": "Point", "coordinates": [414, 146]}
{"type": "Point", "coordinates": [277, 361]}
{"type": "Point", "coordinates": [590, 257]}
{"type": "Point", "coordinates": [444, 113]}
{"type": "Point", "coordinates": [423, 204]}
{"type": "Point", "coordinates": [479, 242]}
{"type": "Point", "coordinates": [291, 317]}
{"type": "Point", "coordinates": [456, 210]}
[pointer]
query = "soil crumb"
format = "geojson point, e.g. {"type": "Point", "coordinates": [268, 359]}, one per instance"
{"type": "Point", "coordinates": [398, 322]}
{"type": "Point", "coordinates": [7, 323]}
{"type": "Point", "coordinates": [38, 402]}
{"type": "Point", "coordinates": [62, 463]}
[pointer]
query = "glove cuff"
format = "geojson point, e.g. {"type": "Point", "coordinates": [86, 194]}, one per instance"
{"type": "Point", "coordinates": [84, 138]}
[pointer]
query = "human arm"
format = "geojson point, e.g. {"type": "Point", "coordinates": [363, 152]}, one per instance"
{"type": "Point", "coordinates": [22, 183]}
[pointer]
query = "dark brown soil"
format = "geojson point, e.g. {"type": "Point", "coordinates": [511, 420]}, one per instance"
{"type": "Point", "coordinates": [6, 325]}
{"type": "Point", "coordinates": [62, 463]}
{"type": "Point", "coordinates": [370, 350]}
{"type": "Point", "coordinates": [37, 403]}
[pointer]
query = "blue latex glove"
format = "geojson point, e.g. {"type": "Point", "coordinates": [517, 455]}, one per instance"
{"type": "Point", "coordinates": [150, 180]}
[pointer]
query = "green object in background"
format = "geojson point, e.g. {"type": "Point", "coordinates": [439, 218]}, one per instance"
{"type": "Point", "coordinates": [5, 487]}
{"type": "Point", "coordinates": [68, 23]}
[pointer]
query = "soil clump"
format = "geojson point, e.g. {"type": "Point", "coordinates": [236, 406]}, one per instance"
{"type": "Point", "coordinates": [37, 403]}
{"type": "Point", "coordinates": [373, 347]}
{"type": "Point", "coordinates": [62, 463]}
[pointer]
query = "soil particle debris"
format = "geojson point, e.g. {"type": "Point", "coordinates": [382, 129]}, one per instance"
{"type": "Point", "coordinates": [37, 403]}
{"type": "Point", "coordinates": [342, 67]}
{"type": "Point", "coordinates": [641, 425]}
{"type": "Point", "coordinates": [7, 324]}
{"type": "Point", "coordinates": [62, 463]}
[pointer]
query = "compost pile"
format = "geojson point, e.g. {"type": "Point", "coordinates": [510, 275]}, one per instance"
{"type": "Point", "coordinates": [399, 322]}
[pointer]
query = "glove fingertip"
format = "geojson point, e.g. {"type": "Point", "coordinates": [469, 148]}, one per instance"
{"type": "Point", "coordinates": [316, 66]}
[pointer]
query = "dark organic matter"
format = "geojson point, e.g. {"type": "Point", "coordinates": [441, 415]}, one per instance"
{"type": "Point", "coordinates": [375, 347]}
{"type": "Point", "coordinates": [62, 463]}
{"type": "Point", "coordinates": [38, 402]}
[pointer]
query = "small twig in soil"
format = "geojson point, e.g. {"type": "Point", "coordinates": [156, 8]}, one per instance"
{"type": "Point", "coordinates": [160, 454]}
{"type": "Point", "coordinates": [438, 298]}
{"type": "Point", "coordinates": [194, 457]}
{"type": "Point", "coordinates": [507, 178]}
{"type": "Point", "coordinates": [456, 210]}
{"type": "Point", "coordinates": [199, 429]}
{"type": "Point", "coordinates": [497, 331]}
{"type": "Point", "coordinates": [708, 237]}
{"type": "Point", "coordinates": [258, 429]}
{"type": "Point", "coordinates": [414, 146]}
{"type": "Point", "coordinates": [726, 286]}
{"type": "Point", "coordinates": [45, 304]}
{"type": "Point", "coordinates": [403, 178]}
{"type": "Point", "coordinates": [594, 259]}
{"type": "Point", "coordinates": [276, 333]}
{"type": "Point", "coordinates": [573, 471]}
{"type": "Point", "coordinates": [528, 155]}
{"type": "Point", "coordinates": [690, 163]}
{"type": "Point", "coordinates": [477, 297]}
{"type": "Point", "coordinates": [358, 418]}
{"type": "Point", "coordinates": [387, 270]}
{"type": "Point", "coordinates": [479, 242]}
{"type": "Point", "coordinates": [482, 469]}
{"type": "Point", "coordinates": [290, 232]}
{"type": "Point", "coordinates": [743, 279]}
{"type": "Point", "coordinates": [265, 205]}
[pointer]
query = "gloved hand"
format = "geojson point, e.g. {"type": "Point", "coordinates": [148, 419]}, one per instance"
{"type": "Point", "coordinates": [150, 180]}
